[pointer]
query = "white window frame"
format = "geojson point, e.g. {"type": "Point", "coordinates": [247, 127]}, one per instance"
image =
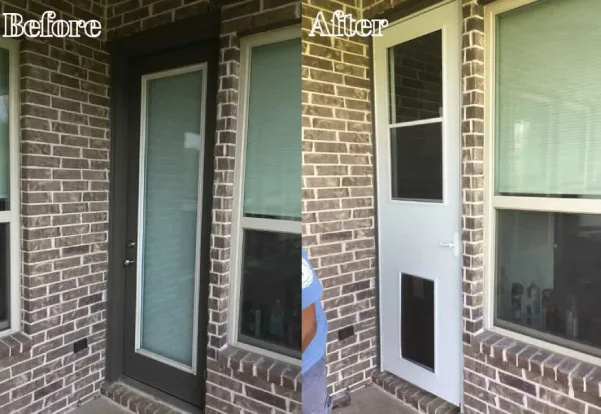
{"type": "Point", "coordinates": [494, 202]}
{"type": "Point", "coordinates": [240, 223]}
{"type": "Point", "coordinates": [12, 215]}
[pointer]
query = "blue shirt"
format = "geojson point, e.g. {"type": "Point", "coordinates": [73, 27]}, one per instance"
{"type": "Point", "coordinates": [312, 290]}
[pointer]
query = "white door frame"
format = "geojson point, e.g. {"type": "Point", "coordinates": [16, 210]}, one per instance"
{"type": "Point", "coordinates": [452, 121]}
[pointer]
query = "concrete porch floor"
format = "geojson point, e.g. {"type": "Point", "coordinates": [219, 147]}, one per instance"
{"type": "Point", "coordinates": [374, 400]}
{"type": "Point", "coordinates": [368, 399]}
{"type": "Point", "coordinates": [100, 405]}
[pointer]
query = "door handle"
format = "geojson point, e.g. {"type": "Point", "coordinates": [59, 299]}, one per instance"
{"type": "Point", "coordinates": [454, 245]}
{"type": "Point", "coordinates": [128, 262]}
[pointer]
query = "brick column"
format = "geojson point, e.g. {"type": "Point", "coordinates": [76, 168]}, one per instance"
{"type": "Point", "coordinates": [472, 142]}
{"type": "Point", "coordinates": [338, 192]}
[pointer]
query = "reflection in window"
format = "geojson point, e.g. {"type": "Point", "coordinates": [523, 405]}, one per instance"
{"type": "Point", "coordinates": [271, 297]}
{"type": "Point", "coordinates": [549, 273]}
{"type": "Point", "coordinates": [415, 71]}
{"type": "Point", "coordinates": [416, 161]}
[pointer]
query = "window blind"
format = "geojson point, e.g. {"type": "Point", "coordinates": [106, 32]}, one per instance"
{"type": "Point", "coordinates": [172, 158]}
{"type": "Point", "coordinates": [4, 131]}
{"type": "Point", "coordinates": [273, 147]}
{"type": "Point", "coordinates": [548, 100]}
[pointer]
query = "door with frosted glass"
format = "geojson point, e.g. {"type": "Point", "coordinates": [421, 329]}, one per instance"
{"type": "Point", "coordinates": [169, 191]}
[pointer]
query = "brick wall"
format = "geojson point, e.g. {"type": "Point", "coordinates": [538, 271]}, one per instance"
{"type": "Point", "coordinates": [126, 17]}
{"type": "Point", "coordinates": [64, 189]}
{"type": "Point", "coordinates": [372, 8]}
{"type": "Point", "coordinates": [338, 192]}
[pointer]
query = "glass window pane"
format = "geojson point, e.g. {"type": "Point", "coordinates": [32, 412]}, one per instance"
{"type": "Point", "coordinates": [273, 148]}
{"type": "Point", "coordinates": [416, 160]}
{"type": "Point", "coordinates": [271, 295]}
{"type": "Point", "coordinates": [548, 128]}
{"type": "Point", "coordinates": [4, 132]}
{"type": "Point", "coordinates": [415, 79]}
{"type": "Point", "coordinates": [4, 275]}
{"type": "Point", "coordinates": [549, 274]}
{"type": "Point", "coordinates": [417, 324]}
{"type": "Point", "coordinates": [170, 207]}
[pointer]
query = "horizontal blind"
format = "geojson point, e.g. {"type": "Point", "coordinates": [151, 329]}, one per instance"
{"type": "Point", "coordinates": [548, 99]}
{"type": "Point", "coordinates": [173, 150]}
{"type": "Point", "coordinates": [273, 148]}
{"type": "Point", "coordinates": [4, 130]}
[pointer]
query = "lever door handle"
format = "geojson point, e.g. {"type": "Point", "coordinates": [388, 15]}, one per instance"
{"type": "Point", "coordinates": [454, 245]}
{"type": "Point", "coordinates": [128, 262]}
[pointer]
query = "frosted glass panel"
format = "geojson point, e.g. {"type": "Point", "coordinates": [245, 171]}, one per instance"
{"type": "Point", "coordinates": [170, 206]}
{"type": "Point", "coordinates": [273, 148]}
{"type": "Point", "coordinates": [4, 135]}
{"type": "Point", "coordinates": [548, 105]}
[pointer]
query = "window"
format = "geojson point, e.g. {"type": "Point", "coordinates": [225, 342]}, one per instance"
{"type": "Point", "coordinates": [265, 285]}
{"type": "Point", "coordinates": [9, 186]}
{"type": "Point", "coordinates": [545, 206]}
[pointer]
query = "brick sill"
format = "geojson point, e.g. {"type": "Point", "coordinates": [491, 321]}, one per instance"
{"type": "Point", "coordinates": [516, 356]}
{"type": "Point", "coordinates": [267, 369]}
{"type": "Point", "coordinates": [14, 344]}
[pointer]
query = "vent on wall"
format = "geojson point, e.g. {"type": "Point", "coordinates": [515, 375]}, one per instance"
{"type": "Point", "coordinates": [80, 345]}
{"type": "Point", "coordinates": [346, 332]}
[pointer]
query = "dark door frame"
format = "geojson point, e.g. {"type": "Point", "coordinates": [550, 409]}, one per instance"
{"type": "Point", "coordinates": [172, 36]}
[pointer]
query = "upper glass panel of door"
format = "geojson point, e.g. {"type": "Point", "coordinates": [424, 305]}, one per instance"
{"type": "Point", "coordinates": [415, 118]}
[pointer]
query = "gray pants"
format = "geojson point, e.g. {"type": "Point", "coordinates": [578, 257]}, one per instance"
{"type": "Point", "coordinates": [316, 399]}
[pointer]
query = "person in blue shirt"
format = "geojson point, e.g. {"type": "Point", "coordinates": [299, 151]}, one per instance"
{"type": "Point", "coordinates": [315, 399]}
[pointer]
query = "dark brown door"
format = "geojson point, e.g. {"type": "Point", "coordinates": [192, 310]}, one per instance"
{"type": "Point", "coordinates": [169, 195]}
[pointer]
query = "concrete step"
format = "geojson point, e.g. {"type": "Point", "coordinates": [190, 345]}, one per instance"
{"type": "Point", "coordinates": [100, 405]}
{"type": "Point", "coordinates": [374, 400]}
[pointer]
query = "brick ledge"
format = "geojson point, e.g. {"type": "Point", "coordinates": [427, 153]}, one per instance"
{"type": "Point", "coordinates": [421, 400]}
{"type": "Point", "coordinates": [14, 344]}
{"type": "Point", "coordinates": [265, 368]}
{"type": "Point", "coordinates": [135, 400]}
{"type": "Point", "coordinates": [504, 352]}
